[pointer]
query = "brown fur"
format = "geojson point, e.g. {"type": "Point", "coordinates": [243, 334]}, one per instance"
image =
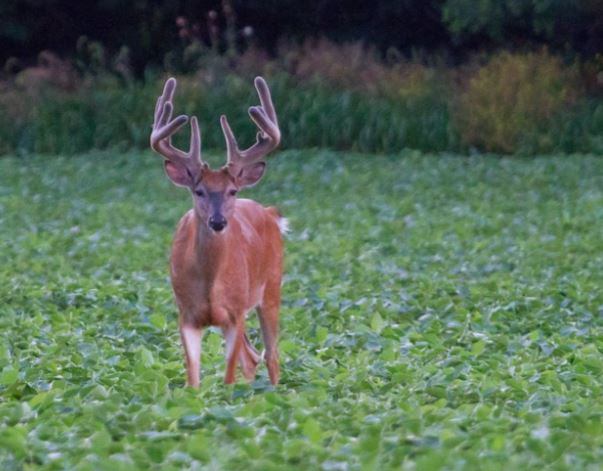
{"type": "Point", "coordinates": [218, 278]}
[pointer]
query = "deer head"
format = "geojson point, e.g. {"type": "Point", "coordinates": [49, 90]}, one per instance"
{"type": "Point", "coordinates": [214, 191]}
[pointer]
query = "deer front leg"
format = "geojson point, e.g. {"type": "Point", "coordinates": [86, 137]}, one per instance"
{"type": "Point", "coordinates": [233, 336]}
{"type": "Point", "coordinates": [191, 342]}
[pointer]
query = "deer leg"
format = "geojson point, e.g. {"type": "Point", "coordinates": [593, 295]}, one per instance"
{"type": "Point", "coordinates": [233, 335]}
{"type": "Point", "coordinates": [249, 358]}
{"type": "Point", "coordinates": [268, 313]}
{"type": "Point", "coordinates": [191, 342]}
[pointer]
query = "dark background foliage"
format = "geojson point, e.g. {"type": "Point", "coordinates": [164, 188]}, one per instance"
{"type": "Point", "coordinates": [456, 27]}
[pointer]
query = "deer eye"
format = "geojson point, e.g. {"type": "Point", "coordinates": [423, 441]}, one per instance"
{"type": "Point", "coordinates": [200, 193]}
{"type": "Point", "coordinates": [232, 192]}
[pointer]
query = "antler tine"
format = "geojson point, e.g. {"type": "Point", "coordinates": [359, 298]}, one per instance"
{"type": "Point", "coordinates": [268, 137]}
{"type": "Point", "coordinates": [231, 142]}
{"type": "Point", "coordinates": [164, 127]}
{"type": "Point", "coordinates": [265, 98]}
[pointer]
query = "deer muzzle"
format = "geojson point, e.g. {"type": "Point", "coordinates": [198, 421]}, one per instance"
{"type": "Point", "coordinates": [217, 222]}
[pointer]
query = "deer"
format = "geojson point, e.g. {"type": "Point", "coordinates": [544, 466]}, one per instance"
{"type": "Point", "coordinates": [227, 252]}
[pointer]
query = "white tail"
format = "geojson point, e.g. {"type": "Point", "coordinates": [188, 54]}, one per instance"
{"type": "Point", "coordinates": [283, 225]}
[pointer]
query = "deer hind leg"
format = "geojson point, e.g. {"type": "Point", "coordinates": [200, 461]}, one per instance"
{"type": "Point", "coordinates": [191, 342]}
{"type": "Point", "coordinates": [268, 313]}
{"type": "Point", "coordinates": [249, 358]}
{"type": "Point", "coordinates": [234, 339]}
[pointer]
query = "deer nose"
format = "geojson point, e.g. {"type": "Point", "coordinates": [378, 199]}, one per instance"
{"type": "Point", "coordinates": [217, 223]}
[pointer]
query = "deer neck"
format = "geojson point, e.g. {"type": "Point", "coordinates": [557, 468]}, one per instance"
{"type": "Point", "coordinates": [212, 249]}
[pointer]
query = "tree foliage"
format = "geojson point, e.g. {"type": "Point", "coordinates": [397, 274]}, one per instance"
{"type": "Point", "coordinates": [576, 23]}
{"type": "Point", "coordinates": [148, 27]}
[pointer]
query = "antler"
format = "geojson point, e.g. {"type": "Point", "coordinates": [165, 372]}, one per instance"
{"type": "Point", "coordinates": [164, 127]}
{"type": "Point", "coordinates": [268, 137]}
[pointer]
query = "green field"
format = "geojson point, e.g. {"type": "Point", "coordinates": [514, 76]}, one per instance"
{"type": "Point", "coordinates": [439, 312]}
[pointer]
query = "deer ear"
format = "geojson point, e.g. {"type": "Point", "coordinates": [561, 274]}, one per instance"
{"type": "Point", "coordinates": [251, 174]}
{"type": "Point", "coordinates": [179, 174]}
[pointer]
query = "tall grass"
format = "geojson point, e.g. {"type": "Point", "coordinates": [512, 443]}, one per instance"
{"type": "Point", "coordinates": [311, 115]}
{"type": "Point", "coordinates": [341, 97]}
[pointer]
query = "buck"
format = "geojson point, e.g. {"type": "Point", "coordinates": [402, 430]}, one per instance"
{"type": "Point", "coordinates": [227, 253]}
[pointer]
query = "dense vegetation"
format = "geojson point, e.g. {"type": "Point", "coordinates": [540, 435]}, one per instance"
{"type": "Point", "coordinates": [439, 312]}
{"type": "Point", "coordinates": [452, 27]}
{"type": "Point", "coordinates": [511, 76]}
{"type": "Point", "coordinates": [341, 97]}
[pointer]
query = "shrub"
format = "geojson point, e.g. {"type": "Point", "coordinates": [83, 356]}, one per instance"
{"type": "Point", "coordinates": [355, 67]}
{"type": "Point", "coordinates": [509, 103]}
